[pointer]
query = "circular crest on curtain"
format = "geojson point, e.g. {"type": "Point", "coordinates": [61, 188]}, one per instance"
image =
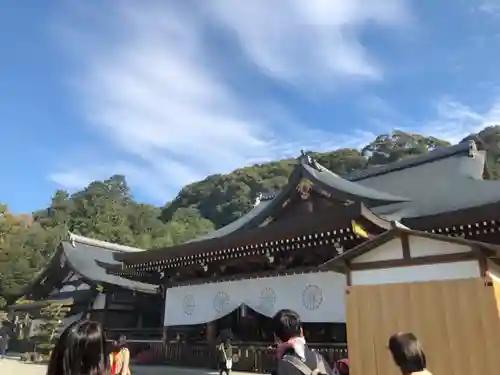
{"type": "Point", "coordinates": [221, 301]}
{"type": "Point", "coordinates": [188, 304]}
{"type": "Point", "coordinates": [268, 298]}
{"type": "Point", "coordinates": [312, 297]}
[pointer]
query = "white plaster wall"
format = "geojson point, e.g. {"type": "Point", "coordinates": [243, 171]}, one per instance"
{"type": "Point", "coordinates": [388, 251]}
{"type": "Point", "coordinates": [72, 288]}
{"type": "Point", "coordinates": [99, 302]}
{"type": "Point", "coordinates": [83, 286]}
{"type": "Point", "coordinates": [421, 247]}
{"type": "Point", "coordinates": [68, 288]}
{"type": "Point", "coordinates": [431, 272]}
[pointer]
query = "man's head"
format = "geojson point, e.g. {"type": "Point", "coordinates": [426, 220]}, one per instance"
{"type": "Point", "coordinates": [286, 325]}
{"type": "Point", "coordinates": [407, 352]}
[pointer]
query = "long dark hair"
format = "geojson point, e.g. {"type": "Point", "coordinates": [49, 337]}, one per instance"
{"type": "Point", "coordinates": [407, 352]}
{"type": "Point", "coordinates": [80, 350]}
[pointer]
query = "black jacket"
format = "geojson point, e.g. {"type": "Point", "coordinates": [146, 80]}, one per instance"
{"type": "Point", "coordinates": [286, 368]}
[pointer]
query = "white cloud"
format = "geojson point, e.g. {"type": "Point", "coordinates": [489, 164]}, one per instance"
{"type": "Point", "coordinates": [454, 120]}
{"type": "Point", "coordinates": [490, 7]}
{"type": "Point", "coordinates": [148, 80]}
{"type": "Point", "coordinates": [449, 119]}
{"type": "Point", "coordinates": [71, 180]}
{"type": "Point", "coordinates": [309, 42]}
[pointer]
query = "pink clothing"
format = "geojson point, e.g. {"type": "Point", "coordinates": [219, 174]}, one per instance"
{"type": "Point", "coordinates": [295, 343]}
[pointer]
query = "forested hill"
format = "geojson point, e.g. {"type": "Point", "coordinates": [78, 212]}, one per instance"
{"type": "Point", "coordinates": [106, 210]}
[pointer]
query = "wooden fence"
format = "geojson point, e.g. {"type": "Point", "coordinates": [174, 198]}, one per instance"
{"type": "Point", "coordinates": [253, 357]}
{"type": "Point", "coordinates": [246, 357]}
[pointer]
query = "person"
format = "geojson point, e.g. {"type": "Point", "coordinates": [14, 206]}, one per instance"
{"type": "Point", "coordinates": [294, 355]}
{"type": "Point", "coordinates": [408, 354]}
{"type": "Point", "coordinates": [4, 344]}
{"type": "Point", "coordinates": [225, 350]}
{"type": "Point", "coordinates": [342, 366]}
{"type": "Point", "coordinates": [80, 350]}
{"type": "Point", "coordinates": [119, 358]}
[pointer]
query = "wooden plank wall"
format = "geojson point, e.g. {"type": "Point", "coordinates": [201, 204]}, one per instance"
{"type": "Point", "coordinates": [457, 322]}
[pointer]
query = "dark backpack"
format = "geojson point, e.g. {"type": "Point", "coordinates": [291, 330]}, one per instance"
{"type": "Point", "coordinates": [320, 369]}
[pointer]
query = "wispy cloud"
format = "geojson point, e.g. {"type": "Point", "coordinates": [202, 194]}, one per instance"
{"type": "Point", "coordinates": [455, 120]}
{"type": "Point", "coordinates": [149, 79]}
{"type": "Point", "coordinates": [490, 7]}
{"type": "Point", "coordinates": [70, 180]}
{"type": "Point", "coordinates": [308, 41]}
{"type": "Point", "coordinates": [448, 119]}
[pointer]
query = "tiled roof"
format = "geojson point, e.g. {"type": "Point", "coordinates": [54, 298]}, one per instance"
{"type": "Point", "coordinates": [437, 154]}
{"type": "Point", "coordinates": [83, 260]}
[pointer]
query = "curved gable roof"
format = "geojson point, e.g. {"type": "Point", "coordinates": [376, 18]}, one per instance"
{"type": "Point", "coordinates": [465, 148]}
{"type": "Point", "coordinates": [308, 168]}
{"type": "Point", "coordinates": [84, 257]}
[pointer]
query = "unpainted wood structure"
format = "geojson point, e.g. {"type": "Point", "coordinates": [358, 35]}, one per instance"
{"type": "Point", "coordinates": [445, 290]}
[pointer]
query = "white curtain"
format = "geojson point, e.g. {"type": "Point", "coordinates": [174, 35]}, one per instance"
{"type": "Point", "coordinates": [317, 297]}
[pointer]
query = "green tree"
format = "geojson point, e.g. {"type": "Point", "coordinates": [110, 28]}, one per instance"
{"type": "Point", "coordinates": [388, 148]}
{"type": "Point", "coordinates": [48, 332]}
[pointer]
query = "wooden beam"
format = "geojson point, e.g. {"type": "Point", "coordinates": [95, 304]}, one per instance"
{"type": "Point", "coordinates": [405, 245]}
{"type": "Point", "coordinates": [418, 261]}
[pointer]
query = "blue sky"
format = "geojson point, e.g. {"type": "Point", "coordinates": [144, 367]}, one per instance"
{"type": "Point", "coordinates": [167, 92]}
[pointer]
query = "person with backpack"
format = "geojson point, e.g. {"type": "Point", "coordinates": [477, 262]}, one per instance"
{"type": "Point", "coordinates": [225, 350]}
{"type": "Point", "coordinates": [294, 355]}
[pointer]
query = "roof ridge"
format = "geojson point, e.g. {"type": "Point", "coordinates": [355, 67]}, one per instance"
{"type": "Point", "coordinates": [103, 244]}
{"type": "Point", "coordinates": [264, 197]}
{"type": "Point", "coordinates": [468, 147]}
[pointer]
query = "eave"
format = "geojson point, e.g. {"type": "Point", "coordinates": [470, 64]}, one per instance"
{"type": "Point", "coordinates": [457, 220]}
{"type": "Point", "coordinates": [343, 190]}
{"type": "Point", "coordinates": [273, 237]}
{"type": "Point", "coordinates": [341, 262]}
{"type": "Point", "coordinates": [117, 270]}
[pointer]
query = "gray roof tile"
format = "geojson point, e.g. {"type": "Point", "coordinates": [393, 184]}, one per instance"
{"type": "Point", "coordinates": [440, 153]}
{"type": "Point", "coordinates": [83, 259]}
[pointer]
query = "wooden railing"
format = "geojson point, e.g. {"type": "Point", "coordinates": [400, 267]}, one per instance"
{"type": "Point", "coordinates": [141, 339]}
{"type": "Point", "coordinates": [253, 357]}
{"type": "Point", "coordinates": [246, 357]}
{"type": "Point", "coordinates": [135, 333]}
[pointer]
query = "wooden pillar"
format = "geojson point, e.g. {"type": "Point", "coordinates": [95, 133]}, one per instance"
{"type": "Point", "coordinates": [211, 334]}
{"type": "Point", "coordinates": [164, 336]}
{"type": "Point", "coordinates": [107, 302]}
